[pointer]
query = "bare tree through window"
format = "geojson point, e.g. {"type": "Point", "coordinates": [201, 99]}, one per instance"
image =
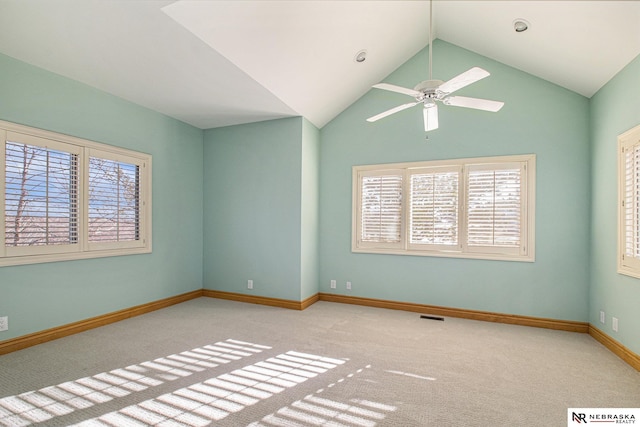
{"type": "Point", "coordinates": [114, 197]}
{"type": "Point", "coordinates": [41, 196]}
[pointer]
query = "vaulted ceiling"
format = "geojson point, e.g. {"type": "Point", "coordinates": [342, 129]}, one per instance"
{"type": "Point", "coordinates": [219, 63]}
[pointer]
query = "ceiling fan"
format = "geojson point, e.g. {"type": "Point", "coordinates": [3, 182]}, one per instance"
{"type": "Point", "coordinates": [430, 91]}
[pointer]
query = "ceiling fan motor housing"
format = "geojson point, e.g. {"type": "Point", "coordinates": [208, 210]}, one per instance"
{"type": "Point", "coordinates": [428, 89]}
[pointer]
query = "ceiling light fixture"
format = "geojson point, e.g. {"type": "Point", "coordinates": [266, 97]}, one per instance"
{"type": "Point", "coordinates": [520, 25]}
{"type": "Point", "coordinates": [361, 56]}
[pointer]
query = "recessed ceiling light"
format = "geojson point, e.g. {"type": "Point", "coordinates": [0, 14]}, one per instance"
{"type": "Point", "coordinates": [361, 56]}
{"type": "Point", "coordinates": [520, 25]}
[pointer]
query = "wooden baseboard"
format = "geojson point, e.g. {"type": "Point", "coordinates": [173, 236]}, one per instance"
{"type": "Point", "coordinates": [615, 347]}
{"type": "Point", "coordinates": [310, 301]}
{"type": "Point", "coordinates": [513, 319]}
{"type": "Point", "coordinates": [255, 299]}
{"type": "Point", "coordinates": [36, 338]}
{"type": "Point", "coordinates": [30, 340]}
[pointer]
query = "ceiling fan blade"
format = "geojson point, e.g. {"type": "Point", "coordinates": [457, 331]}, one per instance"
{"type": "Point", "coordinates": [462, 80]}
{"type": "Point", "coordinates": [398, 89]}
{"type": "Point", "coordinates": [478, 104]}
{"type": "Point", "coordinates": [430, 112]}
{"type": "Point", "coordinates": [391, 111]}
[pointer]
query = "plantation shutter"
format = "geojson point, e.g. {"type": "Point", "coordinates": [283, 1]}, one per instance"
{"type": "Point", "coordinates": [41, 195]}
{"type": "Point", "coordinates": [114, 200]}
{"type": "Point", "coordinates": [380, 219]}
{"type": "Point", "coordinates": [434, 207]}
{"type": "Point", "coordinates": [495, 205]}
{"type": "Point", "coordinates": [630, 204]}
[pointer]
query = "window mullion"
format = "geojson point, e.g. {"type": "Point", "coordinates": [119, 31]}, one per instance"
{"type": "Point", "coordinates": [46, 198]}
{"type": "Point", "coordinates": [406, 208]}
{"type": "Point", "coordinates": [462, 202]}
{"type": "Point", "coordinates": [83, 194]}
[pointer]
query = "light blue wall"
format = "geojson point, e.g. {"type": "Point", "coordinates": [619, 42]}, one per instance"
{"type": "Point", "coordinates": [252, 210]}
{"type": "Point", "coordinates": [42, 296]}
{"type": "Point", "coordinates": [276, 198]}
{"type": "Point", "coordinates": [310, 209]}
{"type": "Point", "coordinates": [614, 110]}
{"type": "Point", "coordinates": [538, 117]}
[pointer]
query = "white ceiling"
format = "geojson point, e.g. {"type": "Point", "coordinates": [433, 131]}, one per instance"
{"type": "Point", "coordinates": [219, 63]}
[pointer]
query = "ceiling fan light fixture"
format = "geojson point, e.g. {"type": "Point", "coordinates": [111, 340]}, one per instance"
{"type": "Point", "coordinates": [430, 113]}
{"type": "Point", "coordinates": [430, 91]}
{"type": "Point", "coordinates": [520, 25]}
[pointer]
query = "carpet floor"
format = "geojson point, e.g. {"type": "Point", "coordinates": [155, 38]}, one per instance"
{"type": "Point", "coordinates": [209, 362]}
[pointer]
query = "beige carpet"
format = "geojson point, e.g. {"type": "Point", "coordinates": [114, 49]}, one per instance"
{"type": "Point", "coordinates": [220, 363]}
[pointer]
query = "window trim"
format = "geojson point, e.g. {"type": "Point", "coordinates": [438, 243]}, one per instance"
{"type": "Point", "coordinates": [83, 249]}
{"type": "Point", "coordinates": [118, 245]}
{"type": "Point", "coordinates": [526, 253]}
{"type": "Point", "coordinates": [626, 265]}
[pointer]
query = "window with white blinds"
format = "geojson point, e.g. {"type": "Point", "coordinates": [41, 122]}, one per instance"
{"type": "Point", "coordinates": [470, 208]}
{"type": "Point", "coordinates": [434, 207]}
{"type": "Point", "coordinates": [114, 200]}
{"type": "Point", "coordinates": [495, 207]}
{"type": "Point", "coordinates": [41, 195]}
{"type": "Point", "coordinates": [67, 198]}
{"type": "Point", "coordinates": [629, 203]}
{"type": "Point", "coordinates": [381, 212]}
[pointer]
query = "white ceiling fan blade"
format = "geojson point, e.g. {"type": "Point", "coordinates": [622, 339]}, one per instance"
{"type": "Point", "coordinates": [464, 79]}
{"type": "Point", "coordinates": [430, 112]}
{"type": "Point", "coordinates": [391, 111]}
{"type": "Point", "coordinates": [398, 89]}
{"type": "Point", "coordinates": [478, 104]}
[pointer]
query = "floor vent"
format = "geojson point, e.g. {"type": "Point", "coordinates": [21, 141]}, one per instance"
{"type": "Point", "coordinates": [424, 316]}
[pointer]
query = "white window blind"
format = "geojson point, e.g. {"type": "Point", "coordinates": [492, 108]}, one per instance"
{"type": "Point", "coordinates": [114, 201]}
{"type": "Point", "coordinates": [629, 203]}
{"type": "Point", "coordinates": [494, 206]}
{"type": "Point", "coordinates": [434, 207]}
{"type": "Point", "coordinates": [631, 206]}
{"type": "Point", "coordinates": [381, 209]}
{"type": "Point", "coordinates": [469, 208]}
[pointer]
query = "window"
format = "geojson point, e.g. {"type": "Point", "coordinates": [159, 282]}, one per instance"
{"type": "Point", "coordinates": [381, 209]}
{"type": "Point", "coordinates": [629, 203]}
{"type": "Point", "coordinates": [468, 208]}
{"type": "Point", "coordinates": [66, 198]}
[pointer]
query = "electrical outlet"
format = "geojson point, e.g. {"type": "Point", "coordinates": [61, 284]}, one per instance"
{"type": "Point", "coordinates": [614, 324]}
{"type": "Point", "coordinates": [333, 284]}
{"type": "Point", "coordinates": [250, 284]}
{"type": "Point", "coordinates": [4, 323]}
{"type": "Point", "coordinates": [348, 285]}
{"type": "Point", "coordinates": [602, 318]}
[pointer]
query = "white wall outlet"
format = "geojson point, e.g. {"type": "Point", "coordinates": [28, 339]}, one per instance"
{"type": "Point", "coordinates": [614, 324]}
{"type": "Point", "coordinates": [602, 318]}
{"type": "Point", "coordinates": [4, 323]}
{"type": "Point", "coordinates": [348, 285]}
{"type": "Point", "coordinates": [333, 284]}
{"type": "Point", "coordinates": [249, 284]}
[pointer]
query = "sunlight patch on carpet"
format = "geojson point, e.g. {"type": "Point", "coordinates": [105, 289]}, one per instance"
{"type": "Point", "coordinates": [62, 399]}
{"type": "Point", "coordinates": [200, 404]}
